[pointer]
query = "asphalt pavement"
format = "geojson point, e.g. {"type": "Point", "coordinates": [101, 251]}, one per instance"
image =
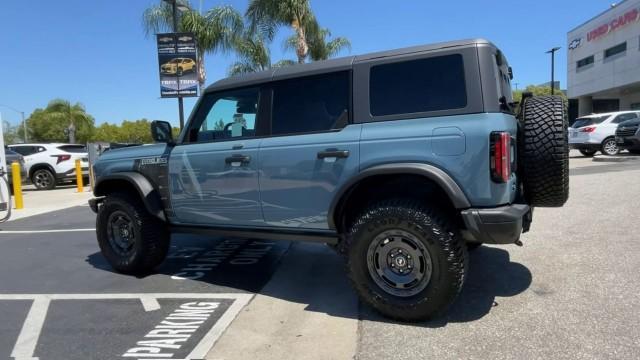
{"type": "Point", "coordinates": [569, 293]}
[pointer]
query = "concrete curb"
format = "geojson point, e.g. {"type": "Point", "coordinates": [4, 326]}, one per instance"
{"type": "Point", "coordinates": [616, 158]}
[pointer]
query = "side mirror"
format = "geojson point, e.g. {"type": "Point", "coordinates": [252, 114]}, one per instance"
{"type": "Point", "coordinates": [161, 132]}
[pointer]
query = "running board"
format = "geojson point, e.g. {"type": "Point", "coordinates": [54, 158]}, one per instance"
{"type": "Point", "coordinates": [328, 237]}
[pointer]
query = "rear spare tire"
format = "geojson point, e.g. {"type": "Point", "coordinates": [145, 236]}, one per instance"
{"type": "Point", "coordinates": [544, 151]}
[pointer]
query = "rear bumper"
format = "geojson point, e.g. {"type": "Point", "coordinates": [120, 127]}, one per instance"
{"type": "Point", "coordinates": [500, 225]}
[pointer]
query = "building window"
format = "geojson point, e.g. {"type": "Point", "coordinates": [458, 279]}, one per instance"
{"type": "Point", "coordinates": [585, 62]}
{"type": "Point", "coordinates": [618, 49]}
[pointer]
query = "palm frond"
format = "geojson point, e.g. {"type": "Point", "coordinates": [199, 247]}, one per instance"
{"type": "Point", "coordinates": [283, 63]}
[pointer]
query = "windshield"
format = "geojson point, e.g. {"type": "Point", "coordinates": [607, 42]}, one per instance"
{"type": "Point", "coordinates": [581, 122]}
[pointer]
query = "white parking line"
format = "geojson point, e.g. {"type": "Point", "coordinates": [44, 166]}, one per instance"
{"type": "Point", "coordinates": [43, 231]}
{"type": "Point", "coordinates": [32, 327]}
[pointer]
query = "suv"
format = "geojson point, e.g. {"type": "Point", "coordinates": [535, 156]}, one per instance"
{"type": "Point", "coordinates": [628, 136]}
{"type": "Point", "coordinates": [597, 132]}
{"type": "Point", "coordinates": [50, 164]}
{"type": "Point", "coordinates": [396, 159]}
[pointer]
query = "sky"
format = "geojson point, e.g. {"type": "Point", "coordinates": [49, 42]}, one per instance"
{"type": "Point", "coordinates": [96, 53]}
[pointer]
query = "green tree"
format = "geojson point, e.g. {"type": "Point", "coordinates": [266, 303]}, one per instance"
{"type": "Point", "coordinates": [253, 55]}
{"type": "Point", "coordinates": [267, 15]}
{"type": "Point", "coordinates": [53, 122]}
{"type": "Point", "coordinates": [215, 30]}
{"type": "Point", "coordinates": [130, 132]}
{"type": "Point", "coordinates": [320, 48]}
{"type": "Point", "coordinates": [219, 125]}
{"type": "Point", "coordinates": [536, 90]}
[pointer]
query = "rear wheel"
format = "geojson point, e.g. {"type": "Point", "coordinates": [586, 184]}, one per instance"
{"type": "Point", "coordinates": [132, 240]}
{"type": "Point", "coordinates": [610, 147]}
{"type": "Point", "coordinates": [588, 153]}
{"type": "Point", "coordinates": [544, 151]}
{"type": "Point", "coordinates": [43, 179]}
{"type": "Point", "coordinates": [405, 260]}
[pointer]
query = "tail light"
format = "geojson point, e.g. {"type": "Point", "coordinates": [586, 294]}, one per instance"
{"type": "Point", "coordinates": [588, 129]}
{"type": "Point", "coordinates": [500, 156]}
{"type": "Point", "coordinates": [61, 158]}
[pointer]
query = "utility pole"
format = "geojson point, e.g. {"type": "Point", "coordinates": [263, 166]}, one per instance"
{"type": "Point", "coordinates": [553, 52]}
{"type": "Point", "coordinates": [24, 123]}
{"type": "Point", "coordinates": [174, 10]}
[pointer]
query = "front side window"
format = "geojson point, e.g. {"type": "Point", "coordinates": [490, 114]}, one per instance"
{"type": "Point", "coordinates": [312, 104]}
{"type": "Point", "coordinates": [414, 86]}
{"type": "Point", "coordinates": [226, 115]}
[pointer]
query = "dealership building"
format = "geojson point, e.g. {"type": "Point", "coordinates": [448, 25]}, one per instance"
{"type": "Point", "coordinates": [604, 61]}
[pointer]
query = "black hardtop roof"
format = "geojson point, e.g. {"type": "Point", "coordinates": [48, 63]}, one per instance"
{"type": "Point", "coordinates": [319, 67]}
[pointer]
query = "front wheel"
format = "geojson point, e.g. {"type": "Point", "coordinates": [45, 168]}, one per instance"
{"type": "Point", "coordinates": [610, 147]}
{"type": "Point", "coordinates": [406, 260]}
{"type": "Point", "coordinates": [132, 240]}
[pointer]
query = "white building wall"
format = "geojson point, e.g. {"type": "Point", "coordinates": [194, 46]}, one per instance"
{"type": "Point", "coordinates": [604, 74]}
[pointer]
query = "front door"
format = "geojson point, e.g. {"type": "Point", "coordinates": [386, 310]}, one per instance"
{"type": "Point", "coordinates": [312, 150]}
{"type": "Point", "coordinates": [214, 171]}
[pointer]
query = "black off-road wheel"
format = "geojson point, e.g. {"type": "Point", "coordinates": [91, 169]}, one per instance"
{"type": "Point", "coordinates": [43, 179]}
{"type": "Point", "coordinates": [132, 240]}
{"type": "Point", "coordinates": [544, 151]}
{"type": "Point", "coordinates": [405, 260]}
{"type": "Point", "coordinates": [587, 153]}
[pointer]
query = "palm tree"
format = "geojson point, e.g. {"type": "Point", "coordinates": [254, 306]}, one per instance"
{"type": "Point", "coordinates": [267, 15]}
{"type": "Point", "coordinates": [319, 47]}
{"type": "Point", "coordinates": [253, 55]}
{"type": "Point", "coordinates": [75, 115]}
{"type": "Point", "coordinates": [215, 30]}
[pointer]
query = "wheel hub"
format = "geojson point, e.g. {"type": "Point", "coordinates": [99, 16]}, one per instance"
{"type": "Point", "coordinates": [399, 263]}
{"type": "Point", "coordinates": [120, 233]}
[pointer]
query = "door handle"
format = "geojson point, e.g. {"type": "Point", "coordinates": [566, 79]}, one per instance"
{"type": "Point", "coordinates": [333, 153]}
{"type": "Point", "coordinates": [238, 158]}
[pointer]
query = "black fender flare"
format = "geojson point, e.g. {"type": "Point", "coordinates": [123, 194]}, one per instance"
{"type": "Point", "coordinates": [148, 194]}
{"type": "Point", "coordinates": [435, 174]}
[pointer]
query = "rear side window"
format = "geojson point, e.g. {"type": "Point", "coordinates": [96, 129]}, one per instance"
{"type": "Point", "coordinates": [25, 150]}
{"type": "Point", "coordinates": [415, 86]}
{"type": "Point", "coordinates": [73, 148]}
{"type": "Point", "coordinates": [581, 122]}
{"type": "Point", "coordinates": [312, 104]}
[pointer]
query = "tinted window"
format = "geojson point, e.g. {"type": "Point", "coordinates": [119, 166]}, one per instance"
{"type": "Point", "coordinates": [585, 62]}
{"type": "Point", "coordinates": [24, 150]}
{"type": "Point", "coordinates": [580, 122]}
{"type": "Point", "coordinates": [73, 148]}
{"type": "Point", "coordinates": [620, 48]}
{"type": "Point", "coordinates": [624, 117]}
{"type": "Point", "coordinates": [417, 86]}
{"type": "Point", "coordinates": [317, 103]}
{"type": "Point", "coordinates": [226, 115]}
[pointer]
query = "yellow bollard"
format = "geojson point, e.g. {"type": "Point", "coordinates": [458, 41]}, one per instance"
{"type": "Point", "coordinates": [79, 176]}
{"type": "Point", "coordinates": [17, 185]}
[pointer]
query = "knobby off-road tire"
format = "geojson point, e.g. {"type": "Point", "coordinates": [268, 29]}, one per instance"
{"type": "Point", "coordinates": [410, 226]}
{"type": "Point", "coordinates": [146, 243]}
{"type": "Point", "coordinates": [544, 151]}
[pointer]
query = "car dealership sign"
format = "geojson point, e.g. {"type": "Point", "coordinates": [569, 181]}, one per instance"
{"type": "Point", "coordinates": [178, 65]}
{"type": "Point", "coordinates": [617, 23]}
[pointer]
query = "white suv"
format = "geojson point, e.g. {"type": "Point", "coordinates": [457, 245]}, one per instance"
{"type": "Point", "coordinates": [597, 132]}
{"type": "Point", "coordinates": [49, 164]}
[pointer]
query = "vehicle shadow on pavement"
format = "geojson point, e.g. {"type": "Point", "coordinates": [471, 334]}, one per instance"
{"type": "Point", "coordinates": [491, 274]}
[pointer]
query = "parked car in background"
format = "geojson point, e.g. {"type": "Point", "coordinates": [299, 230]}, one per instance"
{"type": "Point", "coordinates": [50, 164]}
{"type": "Point", "coordinates": [597, 132]}
{"type": "Point", "coordinates": [628, 135]}
{"type": "Point", "coordinates": [11, 157]}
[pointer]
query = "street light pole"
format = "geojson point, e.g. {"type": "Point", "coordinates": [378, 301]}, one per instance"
{"type": "Point", "coordinates": [24, 123]}
{"type": "Point", "coordinates": [174, 10]}
{"type": "Point", "coordinates": [553, 52]}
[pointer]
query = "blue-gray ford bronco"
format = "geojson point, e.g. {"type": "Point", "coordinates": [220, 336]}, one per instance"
{"type": "Point", "coordinates": [401, 161]}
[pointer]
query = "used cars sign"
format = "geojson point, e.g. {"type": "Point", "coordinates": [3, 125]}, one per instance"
{"type": "Point", "coordinates": [178, 65]}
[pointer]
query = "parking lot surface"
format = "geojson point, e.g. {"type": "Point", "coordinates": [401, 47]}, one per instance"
{"type": "Point", "coordinates": [569, 293]}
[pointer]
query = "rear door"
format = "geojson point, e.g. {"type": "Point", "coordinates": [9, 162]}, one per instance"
{"type": "Point", "coordinates": [312, 150]}
{"type": "Point", "coordinates": [214, 172]}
